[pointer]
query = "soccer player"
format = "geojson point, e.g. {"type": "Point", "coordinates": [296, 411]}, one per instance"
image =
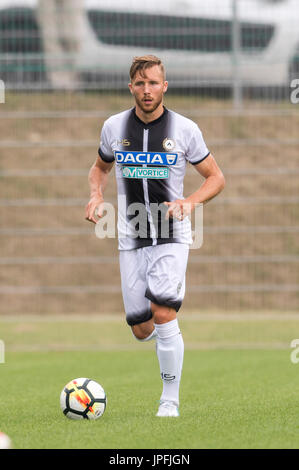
{"type": "Point", "coordinates": [151, 146]}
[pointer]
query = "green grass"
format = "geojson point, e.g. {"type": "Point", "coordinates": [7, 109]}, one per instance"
{"type": "Point", "coordinates": [232, 396]}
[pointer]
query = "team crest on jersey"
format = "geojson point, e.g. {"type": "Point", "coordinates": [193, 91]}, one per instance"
{"type": "Point", "coordinates": [168, 144]}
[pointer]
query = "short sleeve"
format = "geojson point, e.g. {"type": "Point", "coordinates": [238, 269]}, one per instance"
{"type": "Point", "coordinates": [105, 150]}
{"type": "Point", "coordinates": [197, 149]}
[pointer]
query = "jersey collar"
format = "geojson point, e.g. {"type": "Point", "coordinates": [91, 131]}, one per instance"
{"type": "Point", "coordinates": [151, 123]}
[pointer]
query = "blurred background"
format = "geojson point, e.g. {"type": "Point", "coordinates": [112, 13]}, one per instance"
{"type": "Point", "coordinates": [230, 64]}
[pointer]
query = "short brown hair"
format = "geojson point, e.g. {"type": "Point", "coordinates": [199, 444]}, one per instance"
{"type": "Point", "coordinates": [140, 64]}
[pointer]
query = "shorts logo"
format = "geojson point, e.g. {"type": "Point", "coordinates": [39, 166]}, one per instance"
{"type": "Point", "coordinates": [168, 144]}
{"type": "Point", "coordinates": [146, 158]}
{"type": "Point", "coordinates": [141, 172]}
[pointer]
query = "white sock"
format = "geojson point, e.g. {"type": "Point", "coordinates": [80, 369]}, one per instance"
{"type": "Point", "coordinates": [170, 352]}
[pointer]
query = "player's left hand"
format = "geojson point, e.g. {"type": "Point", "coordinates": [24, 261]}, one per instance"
{"type": "Point", "coordinates": [178, 209]}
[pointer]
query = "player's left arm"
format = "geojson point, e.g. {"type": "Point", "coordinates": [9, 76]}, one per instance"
{"type": "Point", "coordinates": [214, 183]}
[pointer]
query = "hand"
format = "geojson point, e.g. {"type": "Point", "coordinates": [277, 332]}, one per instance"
{"type": "Point", "coordinates": [94, 203]}
{"type": "Point", "coordinates": [179, 209]}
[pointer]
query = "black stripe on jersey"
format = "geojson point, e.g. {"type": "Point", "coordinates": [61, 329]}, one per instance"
{"type": "Point", "coordinates": [133, 132]}
{"type": "Point", "coordinates": [195, 163]}
{"type": "Point", "coordinates": [105, 157]}
{"type": "Point", "coordinates": [159, 189]}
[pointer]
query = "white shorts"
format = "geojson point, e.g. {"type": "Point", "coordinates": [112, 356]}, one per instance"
{"type": "Point", "coordinates": [152, 274]}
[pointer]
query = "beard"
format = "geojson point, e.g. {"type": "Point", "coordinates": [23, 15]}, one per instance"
{"type": "Point", "coordinates": [149, 108]}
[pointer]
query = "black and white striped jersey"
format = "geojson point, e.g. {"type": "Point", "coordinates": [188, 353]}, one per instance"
{"type": "Point", "coordinates": [150, 163]}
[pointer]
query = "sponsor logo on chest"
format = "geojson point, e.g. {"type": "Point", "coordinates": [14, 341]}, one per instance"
{"type": "Point", "coordinates": [146, 158]}
{"type": "Point", "coordinates": [145, 172]}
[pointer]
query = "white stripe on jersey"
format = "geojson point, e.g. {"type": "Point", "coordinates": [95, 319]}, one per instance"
{"type": "Point", "coordinates": [153, 232]}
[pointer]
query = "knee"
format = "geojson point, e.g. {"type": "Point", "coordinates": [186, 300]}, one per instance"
{"type": "Point", "coordinates": [163, 314]}
{"type": "Point", "coordinates": [140, 335]}
{"type": "Point", "coordinates": [142, 332]}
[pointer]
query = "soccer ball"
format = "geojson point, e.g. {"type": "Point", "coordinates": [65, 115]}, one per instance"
{"type": "Point", "coordinates": [83, 399]}
{"type": "Point", "coordinates": [5, 442]}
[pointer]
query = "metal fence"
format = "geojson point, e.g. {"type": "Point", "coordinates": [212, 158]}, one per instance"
{"type": "Point", "coordinates": [230, 66]}
{"type": "Point", "coordinates": [236, 45]}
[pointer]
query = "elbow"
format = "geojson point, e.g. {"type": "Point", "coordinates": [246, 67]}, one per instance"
{"type": "Point", "coordinates": [91, 172]}
{"type": "Point", "coordinates": [221, 182]}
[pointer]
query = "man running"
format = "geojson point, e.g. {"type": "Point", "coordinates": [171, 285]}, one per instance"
{"type": "Point", "coordinates": [151, 146]}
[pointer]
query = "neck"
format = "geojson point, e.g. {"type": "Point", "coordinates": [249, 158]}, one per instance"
{"type": "Point", "coordinates": [149, 117]}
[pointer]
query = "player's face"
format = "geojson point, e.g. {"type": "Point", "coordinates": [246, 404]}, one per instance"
{"type": "Point", "coordinates": [148, 90]}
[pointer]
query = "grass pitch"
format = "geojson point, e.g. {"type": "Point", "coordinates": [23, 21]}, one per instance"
{"type": "Point", "coordinates": [239, 387]}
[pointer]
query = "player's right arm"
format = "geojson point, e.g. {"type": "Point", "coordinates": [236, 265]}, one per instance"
{"type": "Point", "coordinates": [97, 178]}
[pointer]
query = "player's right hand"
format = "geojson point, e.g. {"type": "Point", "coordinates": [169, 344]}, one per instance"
{"type": "Point", "coordinates": [96, 202]}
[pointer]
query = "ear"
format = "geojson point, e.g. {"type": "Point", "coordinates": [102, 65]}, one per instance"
{"type": "Point", "coordinates": [130, 87]}
{"type": "Point", "coordinates": [165, 87]}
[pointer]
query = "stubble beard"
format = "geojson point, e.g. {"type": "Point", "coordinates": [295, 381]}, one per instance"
{"type": "Point", "coordinates": [152, 108]}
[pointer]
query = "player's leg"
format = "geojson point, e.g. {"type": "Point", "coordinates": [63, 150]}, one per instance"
{"type": "Point", "coordinates": [170, 353]}
{"type": "Point", "coordinates": [166, 289]}
{"type": "Point", "coordinates": [137, 306]}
